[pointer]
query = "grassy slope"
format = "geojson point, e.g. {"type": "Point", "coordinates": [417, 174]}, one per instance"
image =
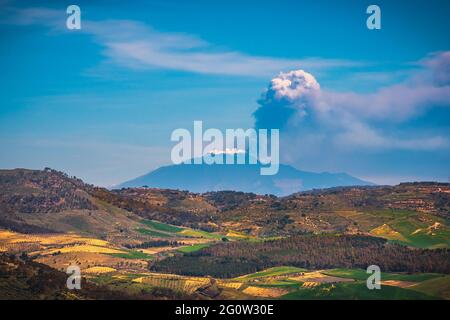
{"type": "Point", "coordinates": [360, 274]}
{"type": "Point", "coordinates": [192, 248]}
{"type": "Point", "coordinates": [403, 226]}
{"type": "Point", "coordinates": [164, 230]}
{"type": "Point", "coordinates": [429, 286]}
{"type": "Point", "coordinates": [133, 254]}
{"type": "Point", "coordinates": [276, 271]}
{"type": "Point", "coordinates": [161, 226]}
{"type": "Point", "coordinates": [439, 287]}
{"type": "Point", "coordinates": [352, 291]}
{"type": "Point", "coordinates": [155, 233]}
{"type": "Point", "coordinates": [420, 235]}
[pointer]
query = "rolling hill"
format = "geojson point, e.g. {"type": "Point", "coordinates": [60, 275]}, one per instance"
{"type": "Point", "coordinates": [119, 238]}
{"type": "Point", "coordinates": [33, 201]}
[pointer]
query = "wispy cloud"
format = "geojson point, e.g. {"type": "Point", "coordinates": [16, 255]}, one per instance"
{"type": "Point", "coordinates": [137, 45]}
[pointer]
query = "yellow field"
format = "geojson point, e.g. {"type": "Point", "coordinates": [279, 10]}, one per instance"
{"type": "Point", "coordinates": [8, 238]}
{"type": "Point", "coordinates": [310, 284]}
{"type": "Point", "coordinates": [155, 250]}
{"type": "Point", "coordinates": [82, 248]}
{"type": "Point", "coordinates": [88, 259]}
{"type": "Point", "coordinates": [174, 282]}
{"type": "Point", "coordinates": [318, 277]}
{"type": "Point", "coordinates": [68, 242]}
{"type": "Point", "coordinates": [191, 241]}
{"type": "Point", "coordinates": [97, 270]}
{"type": "Point", "coordinates": [61, 250]}
{"type": "Point", "coordinates": [230, 284]}
{"type": "Point", "coordinates": [387, 232]}
{"type": "Point", "coordinates": [264, 292]}
{"type": "Point", "coordinates": [398, 283]}
{"type": "Point", "coordinates": [4, 234]}
{"type": "Point", "coordinates": [237, 235]}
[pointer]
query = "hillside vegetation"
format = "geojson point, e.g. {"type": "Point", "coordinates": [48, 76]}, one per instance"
{"type": "Point", "coordinates": [415, 214]}
{"type": "Point", "coordinates": [310, 252]}
{"type": "Point", "coordinates": [158, 243]}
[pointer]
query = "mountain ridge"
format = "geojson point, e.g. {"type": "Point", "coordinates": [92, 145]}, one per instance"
{"type": "Point", "coordinates": [245, 178]}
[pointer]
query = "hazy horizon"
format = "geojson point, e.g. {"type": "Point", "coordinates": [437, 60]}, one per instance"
{"type": "Point", "coordinates": [101, 102]}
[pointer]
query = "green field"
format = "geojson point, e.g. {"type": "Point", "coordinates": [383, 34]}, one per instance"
{"type": "Point", "coordinates": [163, 230]}
{"type": "Point", "coordinates": [201, 234]}
{"type": "Point", "coordinates": [192, 248]}
{"type": "Point", "coordinates": [276, 271]}
{"type": "Point", "coordinates": [133, 254]}
{"type": "Point", "coordinates": [154, 233]}
{"type": "Point", "coordinates": [439, 287]}
{"type": "Point", "coordinates": [355, 291]}
{"type": "Point", "coordinates": [428, 285]}
{"type": "Point", "coordinates": [360, 274]}
{"type": "Point", "coordinates": [413, 228]}
{"type": "Point", "coordinates": [162, 226]}
{"type": "Point", "coordinates": [420, 235]}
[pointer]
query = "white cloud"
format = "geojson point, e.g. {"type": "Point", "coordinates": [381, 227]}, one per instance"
{"type": "Point", "coordinates": [295, 103]}
{"type": "Point", "coordinates": [439, 63]}
{"type": "Point", "coordinates": [293, 85]}
{"type": "Point", "coordinates": [137, 45]}
{"type": "Point", "coordinates": [286, 99]}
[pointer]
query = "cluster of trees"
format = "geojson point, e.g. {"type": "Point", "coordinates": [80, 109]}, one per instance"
{"type": "Point", "coordinates": [32, 191]}
{"type": "Point", "coordinates": [229, 200]}
{"type": "Point", "coordinates": [420, 196]}
{"type": "Point", "coordinates": [154, 243]}
{"type": "Point", "coordinates": [311, 252]}
{"type": "Point", "coordinates": [46, 202]}
{"type": "Point", "coordinates": [150, 211]}
{"type": "Point", "coordinates": [20, 226]}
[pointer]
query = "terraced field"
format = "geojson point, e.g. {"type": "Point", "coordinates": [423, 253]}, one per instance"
{"type": "Point", "coordinates": [91, 254]}
{"type": "Point", "coordinates": [295, 283]}
{"type": "Point", "coordinates": [126, 270]}
{"type": "Point", "coordinates": [174, 282]}
{"type": "Point", "coordinates": [272, 272]}
{"type": "Point", "coordinates": [359, 291]}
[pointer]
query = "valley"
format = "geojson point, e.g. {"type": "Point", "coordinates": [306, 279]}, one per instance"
{"type": "Point", "coordinates": [173, 244]}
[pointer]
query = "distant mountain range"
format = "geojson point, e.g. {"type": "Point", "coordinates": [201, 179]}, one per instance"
{"type": "Point", "coordinates": [203, 178]}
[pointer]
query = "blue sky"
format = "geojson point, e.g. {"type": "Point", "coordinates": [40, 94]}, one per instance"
{"type": "Point", "coordinates": [101, 102]}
